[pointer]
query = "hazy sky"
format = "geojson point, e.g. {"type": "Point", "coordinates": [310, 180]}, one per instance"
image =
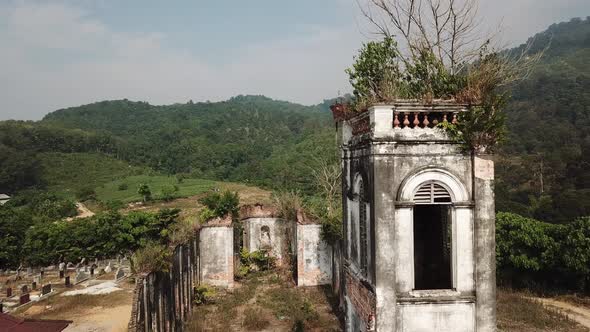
{"type": "Point", "coordinates": [61, 53]}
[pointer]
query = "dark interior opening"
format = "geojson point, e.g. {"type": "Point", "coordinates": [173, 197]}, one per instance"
{"type": "Point", "coordinates": [432, 247]}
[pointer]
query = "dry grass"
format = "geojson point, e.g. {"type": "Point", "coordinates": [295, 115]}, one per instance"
{"type": "Point", "coordinates": [575, 300]}
{"type": "Point", "coordinates": [64, 307]}
{"type": "Point", "coordinates": [266, 300]}
{"type": "Point", "coordinates": [518, 313]}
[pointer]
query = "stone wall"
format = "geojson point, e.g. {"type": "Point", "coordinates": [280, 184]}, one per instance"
{"type": "Point", "coordinates": [162, 301]}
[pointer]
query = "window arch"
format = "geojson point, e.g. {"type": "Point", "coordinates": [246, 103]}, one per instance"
{"type": "Point", "coordinates": [433, 193]}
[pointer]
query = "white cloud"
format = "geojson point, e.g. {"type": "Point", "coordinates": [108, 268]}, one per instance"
{"type": "Point", "coordinates": [96, 63]}
{"type": "Point", "coordinates": [56, 55]}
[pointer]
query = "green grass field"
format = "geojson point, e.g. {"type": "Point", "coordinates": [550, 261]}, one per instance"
{"type": "Point", "coordinates": [66, 173]}
{"type": "Point", "coordinates": [189, 187]}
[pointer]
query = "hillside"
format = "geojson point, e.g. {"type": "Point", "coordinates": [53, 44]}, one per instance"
{"type": "Point", "coordinates": [226, 140]}
{"type": "Point", "coordinates": [543, 168]}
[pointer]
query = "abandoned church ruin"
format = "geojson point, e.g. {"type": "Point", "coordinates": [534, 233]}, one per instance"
{"type": "Point", "coordinates": [418, 252]}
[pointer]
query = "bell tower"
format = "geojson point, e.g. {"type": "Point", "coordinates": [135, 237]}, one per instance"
{"type": "Point", "coordinates": [419, 224]}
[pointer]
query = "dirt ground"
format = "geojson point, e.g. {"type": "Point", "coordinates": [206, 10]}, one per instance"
{"type": "Point", "coordinates": [521, 312]}
{"type": "Point", "coordinates": [268, 301]}
{"type": "Point", "coordinates": [97, 313]}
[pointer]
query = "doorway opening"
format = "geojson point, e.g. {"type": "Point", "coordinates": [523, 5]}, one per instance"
{"type": "Point", "coordinates": [432, 247]}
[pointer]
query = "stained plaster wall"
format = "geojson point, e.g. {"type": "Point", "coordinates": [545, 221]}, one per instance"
{"type": "Point", "coordinates": [279, 233]}
{"type": "Point", "coordinates": [314, 257]}
{"type": "Point", "coordinates": [216, 255]}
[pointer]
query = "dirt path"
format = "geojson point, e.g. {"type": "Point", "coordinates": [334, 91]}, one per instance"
{"type": "Point", "coordinates": [83, 211]}
{"type": "Point", "coordinates": [580, 315]}
{"type": "Point", "coordinates": [101, 319]}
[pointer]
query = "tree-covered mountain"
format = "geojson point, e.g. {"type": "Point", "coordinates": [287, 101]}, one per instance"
{"type": "Point", "coordinates": [543, 169]}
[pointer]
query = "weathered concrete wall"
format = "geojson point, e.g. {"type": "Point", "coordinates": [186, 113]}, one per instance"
{"type": "Point", "coordinates": [428, 317]}
{"type": "Point", "coordinates": [162, 301]}
{"type": "Point", "coordinates": [485, 243]}
{"type": "Point", "coordinates": [216, 255]}
{"type": "Point", "coordinates": [314, 257]}
{"type": "Point", "coordinates": [276, 240]}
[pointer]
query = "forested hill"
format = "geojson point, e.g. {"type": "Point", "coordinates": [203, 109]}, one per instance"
{"type": "Point", "coordinates": [545, 172]}
{"type": "Point", "coordinates": [543, 169]}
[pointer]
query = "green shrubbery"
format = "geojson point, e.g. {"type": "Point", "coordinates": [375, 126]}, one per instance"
{"type": "Point", "coordinates": [152, 257]}
{"type": "Point", "coordinates": [203, 294]}
{"type": "Point", "coordinates": [219, 205]}
{"type": "Point", "coordinates": [543, 256]}
{"type": "Point", "coordinates": [259, 260]}
{"type": "Point", "coordinates": [104, 235]}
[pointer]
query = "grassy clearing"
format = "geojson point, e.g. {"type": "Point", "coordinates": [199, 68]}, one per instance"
{"type": "Point", "coordinates": [518, 313]}
{"type": "Point", "coordinates": [125, 189]}
{"type": "Point", "coordinates": [66, 173]}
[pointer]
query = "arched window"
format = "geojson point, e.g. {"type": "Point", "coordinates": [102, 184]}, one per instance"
{"type": "Point", "coordinates": [359, 227]}
{"type": "Point", "coordinates": [363, 227]}
{"type": "Point", "coordinates": [432, 237]}
{"type": "Point", "coordinates": [265, 241]}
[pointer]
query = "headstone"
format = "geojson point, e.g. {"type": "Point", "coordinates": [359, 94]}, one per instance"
{"type": "Point", "coordinates": [8, 292]}
{"type": "Point", "coordinates": [91, 271]}
{"type": "Point", "coordinates": [24, 289]}
{"type": "Point", "coordinates": [80, 276]}
{"type": "Point", "coordinates": [62, 266]}
{"type": "Point", "coordinates": [70, 265]}
{"type": "Point", "coordinates": [1, 307]}
{"type": "Point", "coordinates": [42, 272]}
{"type": "Point", "coordinates": [96, 261]}
{"type": "Point", "coordinates": [24, 299]}
{"type": "Point", "coordinates": [34, 285]}
{"type": "Point", "coordinates": [37, 279]}
{"type": "Point", "coordinates": [67, 281]}
{"type": "Point", "coordinates": [109, 268]}
{"type": "Point", "coordinates": [46, 289]}
{"type": "Point", "coordinates": [29, 271]}
{"type": "Point", "coordinates": [61, 274]}
{"type": "Point", "coordinates": [120, 274]}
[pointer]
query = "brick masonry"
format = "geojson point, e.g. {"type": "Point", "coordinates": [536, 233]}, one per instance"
{"type": "Point", "coordinates": [361, 297]}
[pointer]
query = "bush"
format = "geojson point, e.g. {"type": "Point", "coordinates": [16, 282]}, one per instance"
{"type": "Point", "coordinates": [205, 215]}
{"type": "Point", "coordinates": [167, 192]}
{"type": "Point", "coordinates": [152, 257]}
{"type": "Point", "coordinates": [531, 253]}
{"type": "Point", "coordinates": [86, 194]}
{"type": "Point", "coordinates": [203, 294]}
{"type": "Point", "coordinates": [222, 204]}
{"type": "Point", "coordinates": [259, 260]}
{"type": "Point", "coordinates": [145, 192]}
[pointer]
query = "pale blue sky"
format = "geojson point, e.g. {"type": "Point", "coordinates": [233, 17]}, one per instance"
{"type": "Point", "coordinates": [64, 53]}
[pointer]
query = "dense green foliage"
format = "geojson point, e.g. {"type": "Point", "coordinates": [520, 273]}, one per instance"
{"type": "Point", "coordinates": [543, 256]}
{"type": "Point", "coordinates": [104, 235]}
{"type": "Point", "coordinates": [544, 168]}
{"type": "Point", "coordinates": [218, 205]}
{"type": "Point", "coordinates": [34, 231]}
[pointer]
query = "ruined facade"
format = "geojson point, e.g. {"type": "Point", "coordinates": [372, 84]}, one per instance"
{"type": "Point", "coordinates": [419, 248]}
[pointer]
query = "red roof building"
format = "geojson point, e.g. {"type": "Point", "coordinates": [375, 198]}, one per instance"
{"type": "Point", "coordinates": [14, 324]}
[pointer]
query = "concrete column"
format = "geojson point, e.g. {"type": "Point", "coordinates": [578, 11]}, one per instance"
{"type": "Point", "coordinates": [385, 276]}
{"type": "Point", "coordinates": [485, 243]}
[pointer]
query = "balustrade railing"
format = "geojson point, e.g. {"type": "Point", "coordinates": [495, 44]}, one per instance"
{"type": "Point", "coordinates": [424, 119]}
